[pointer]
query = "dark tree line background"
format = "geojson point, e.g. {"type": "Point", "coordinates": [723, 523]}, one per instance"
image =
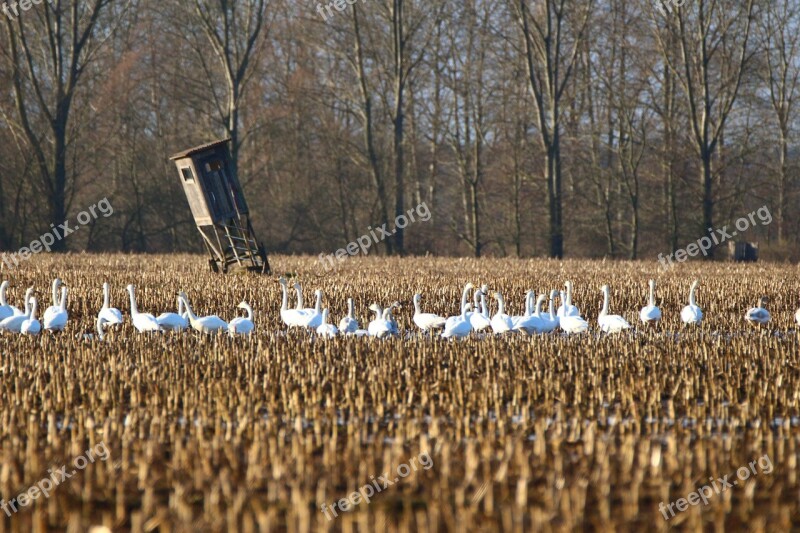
{"type": "Point", "coordinates": [530, 128]}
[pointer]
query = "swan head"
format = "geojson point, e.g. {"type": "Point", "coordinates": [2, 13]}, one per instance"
{"type": "Point", "coordinates": [484, 289]}
{"type": "Point", "coordinates": [497, 295]}
{"type": "Point", "coordinates": [468, 287]}
{"type": "Point", "coordinates": [604, 288]}
{"type": "Point", "coordinates": [282, 281]}
{"type": "Point", "coordinates": [417, 298]}
{"type": "Point", "coordinates": [243, 305]}
{"type": "Point", "coordinates": [375, 307]}
{"type": "Point", "coordinates": [763, 301]}
{"type": "Point", "coordinates": [130, 288]}
{"type": "Point", "coordinates": [319, 293]}
{"type": "Point", "coordinates": [553, 294]}
{"type": "Point", "coordinates": [568, 285]}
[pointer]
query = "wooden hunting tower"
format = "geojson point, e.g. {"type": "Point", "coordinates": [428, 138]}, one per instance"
{"type": "Point", "coordinates": [219, 208]}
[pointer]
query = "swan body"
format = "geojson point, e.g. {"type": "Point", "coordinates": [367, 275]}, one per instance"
{"type": "Point", "coordinates": [380, 327]}
{"type": "Point", "coordinates": [566, 308]}
{"type": "Point", "coordinates": [758, 315]}
{"type": "Point", "coordinates": [173, 321]}
{"type": "Point", "coordinates": [479, 318]}
{"type": "Point", "coordinates": [293, 318]}
{"type": "Point", "coordinates": [314, 318]}
{"type": "Point", "coordinates": [426, 321]}
{"type": "Point", "coordinates": [14, 323]}
{"type": "Point", "coordinates": [208, 324]}
{"type": "Point", "coordinates": [550, 320]}
{"type": "Point", "coordinates": [110, 315]}
{"type": "Point", "coordinates": [56, 307]}
{"type": "Point", "coordinates": [143, 322]}
{"type": "Point", "coordinates": [6, 310]}
{"type": "Point", "coordinates": [349, 325]}
{"type": "Point", "coordinates": [501, 322]}
{"type": "Point", "coordinates": [57, 320]}
{"type": "Point", "coordinates": [650, 314]}
{"type": "Point", "coordinates": [533, 323]}
{"type": "Point", "coordinates": [458, 326]}
{"type": "Point", "coordinates": [242, 325]}
{"type": "Point", "coordinates": [610, 323]}
{"type": "Point", "coordinates": [31, 326]}
{"type": "Point", "coordinates": [325, 329]}
{"type": "Point", "coordinates": [692, 314]}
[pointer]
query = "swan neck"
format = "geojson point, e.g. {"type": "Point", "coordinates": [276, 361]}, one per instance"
{"type": "Point", "coordinates": [106, 301]}
{"type": "Point", "coordinates": [3, 288]}
{"type": "Point", "coordinates": [605, 303]}
{"type": "Point", "coordinates": [692, 300]}
{"type": "Point", "coordinates": [350, 311]}
{"type": "Point", "coordinates": [652, 293]}
{"type": "Point", "coordinates": [417, 309]}
{"type": "Point", "coordinates": [285, 299]}
{"type": "Point", "coordinates": [569, 294]}
{"type": "Point", "coordinates": [55, 292]}
{"type": "Point", "coordinates": [134, 310]}
{"type": "Point", "coordinates": [63, 303]}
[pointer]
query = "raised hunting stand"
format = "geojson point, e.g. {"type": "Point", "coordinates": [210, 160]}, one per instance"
{"type": "Point", "coordinates": [219, 208]}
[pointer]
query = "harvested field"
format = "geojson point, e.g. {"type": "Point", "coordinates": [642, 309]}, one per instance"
{"type": "Point", "coordinates": [544, 433]}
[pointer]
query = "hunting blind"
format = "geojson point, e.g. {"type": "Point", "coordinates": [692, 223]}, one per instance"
{"type": "Point", "coordinates": [219, 208]}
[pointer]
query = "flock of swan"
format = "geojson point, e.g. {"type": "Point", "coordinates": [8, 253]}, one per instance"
{"type": "Point", "coordinates": [473, 317]}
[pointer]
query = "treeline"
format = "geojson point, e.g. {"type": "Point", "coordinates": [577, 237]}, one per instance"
{"type": "Point", "coordinates": [615, 128]}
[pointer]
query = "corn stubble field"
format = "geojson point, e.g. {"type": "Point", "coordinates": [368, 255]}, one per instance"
{"type": "Point", "coordinates": [525, 434]}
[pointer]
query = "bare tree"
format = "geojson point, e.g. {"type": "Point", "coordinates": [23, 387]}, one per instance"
{"type": "Point", "coordinates": [714, 41]}
{"type": "Point", "coordinates": [49, 51]}
{"type": "Point", "coordinates": [552, 32]}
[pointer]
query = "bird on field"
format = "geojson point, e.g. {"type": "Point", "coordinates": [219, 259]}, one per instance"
{"type": "Point", "coordinates": [143, 322]}
{"type": "Point", "coordinates": [300, 303]}
{"type": "Point", "coordinates": [758, 315]}
{"type": "Point", "coordinates": [458, 327]}
{"type": "Point", "coordinates": [208, 324]}
{"type": "Point", "coordinates": [533, 323]}
{"type": "Point", "coordinates": [14, 323]}
{"type": "Point", "coordinates": [110, 315]}
{"type": "Point", "coordinates": [174, 321]}
{"type": "Point", "coordinates": [501, 322]}
{"type": "Point", "coordinates": [98, 332]}
{"type": "Point", "coordinates": [610, 323]}
{"type": "Point", "coordinates": [426, 321]}
{"type": "Point", "coordinates": [479, 318]}
{"type": "Point", "coordinates": [692, 314]}
{"type": "Point", "coordinates": [566, 308]}
{"type": "Point", "coordinates": [387, 315]}
{"type": "Point", "coordinates": [6, 310]}
{"type": "Point", "coordinates": [650, 314]}
{"type": "Point", "coordinates": [464, 298]}
{"type": "Point", "coordinates": [550, 319]}
{"type": "Point", "coordinates": [314, 318]}
{"type": "Point", "coordinates": [380, 327]}
{"type": "Point", "coordinates": [527, 308]}
{"type": "Point", "coordinates": [242, 325]}
{"type": "Point", "coordinates": [56, 307]}
{"type": "Point", "coordinates": [31, 326]}
{"type": "Point", "coordinates": [325, 329]}
{"type": "Point", "coordinates": [57, 320]}
{"type": "Point", "coordinates": [349, 324]}
{"type": "Point", "coordinates": [293, 318]}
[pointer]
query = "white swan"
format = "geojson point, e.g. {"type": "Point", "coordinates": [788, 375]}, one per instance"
{"type": "Point", "coordinates": [242, 325]}
{"type": "Point", "coordinates": [380, 327]}
{"type": "Point", "coordinates": [207, 324]}
{"type": "Point", "coordinates": [349, 324]}
{"type": "Point", "coordinates": [650, 314]}
{"type": "Point", "coordinates": [426, 321]}
{"type": "Point", "coordinates": [56, 307]}
{"type": "Point", "coordinates": [313, 319]}
{"type": "Point", "coordinates": [610, 323]}
{"type": "Point", "coordinates": [533, 323]}
{"type": "Point", "coordinates": [458, 327]}
{"type": "Point", "coordinates": [692, 314]}
{"type": "Point", "coordinates": [14, 323]}
{"type": "Point", "coordinates": [110, 315]}
{"type": "Point", "coordinates": [464, 297]}
{"type": "Point", "coordinates": [173, 321]}
{"type": "Point", "coordinates": [31, 326]}
{"type": "Point", "coordinates": [758, 315]}
{"type": "Point", "coordinates": [7, 311]}
{"type": "Point", "coordinates": [387, 315]}
{"type": "Point", "coordinates": [57, 321]}
{"type": "Point", "coordinates": [325, 329]}
{"type": "Point", "coordinates": [527, 309]}
{"type": "Point", "coordinates": [501, 322]}
{"type": "Point", "coordinates": [550, 320]}
{"type": "Point", "coordinates": [479, 318]}
{"type": "Point", "coordinates": [143, 322]}
{"type": "Point", "coordinates": [293, 318]}
{"type": "Point", "coordinates": [566, 308]}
